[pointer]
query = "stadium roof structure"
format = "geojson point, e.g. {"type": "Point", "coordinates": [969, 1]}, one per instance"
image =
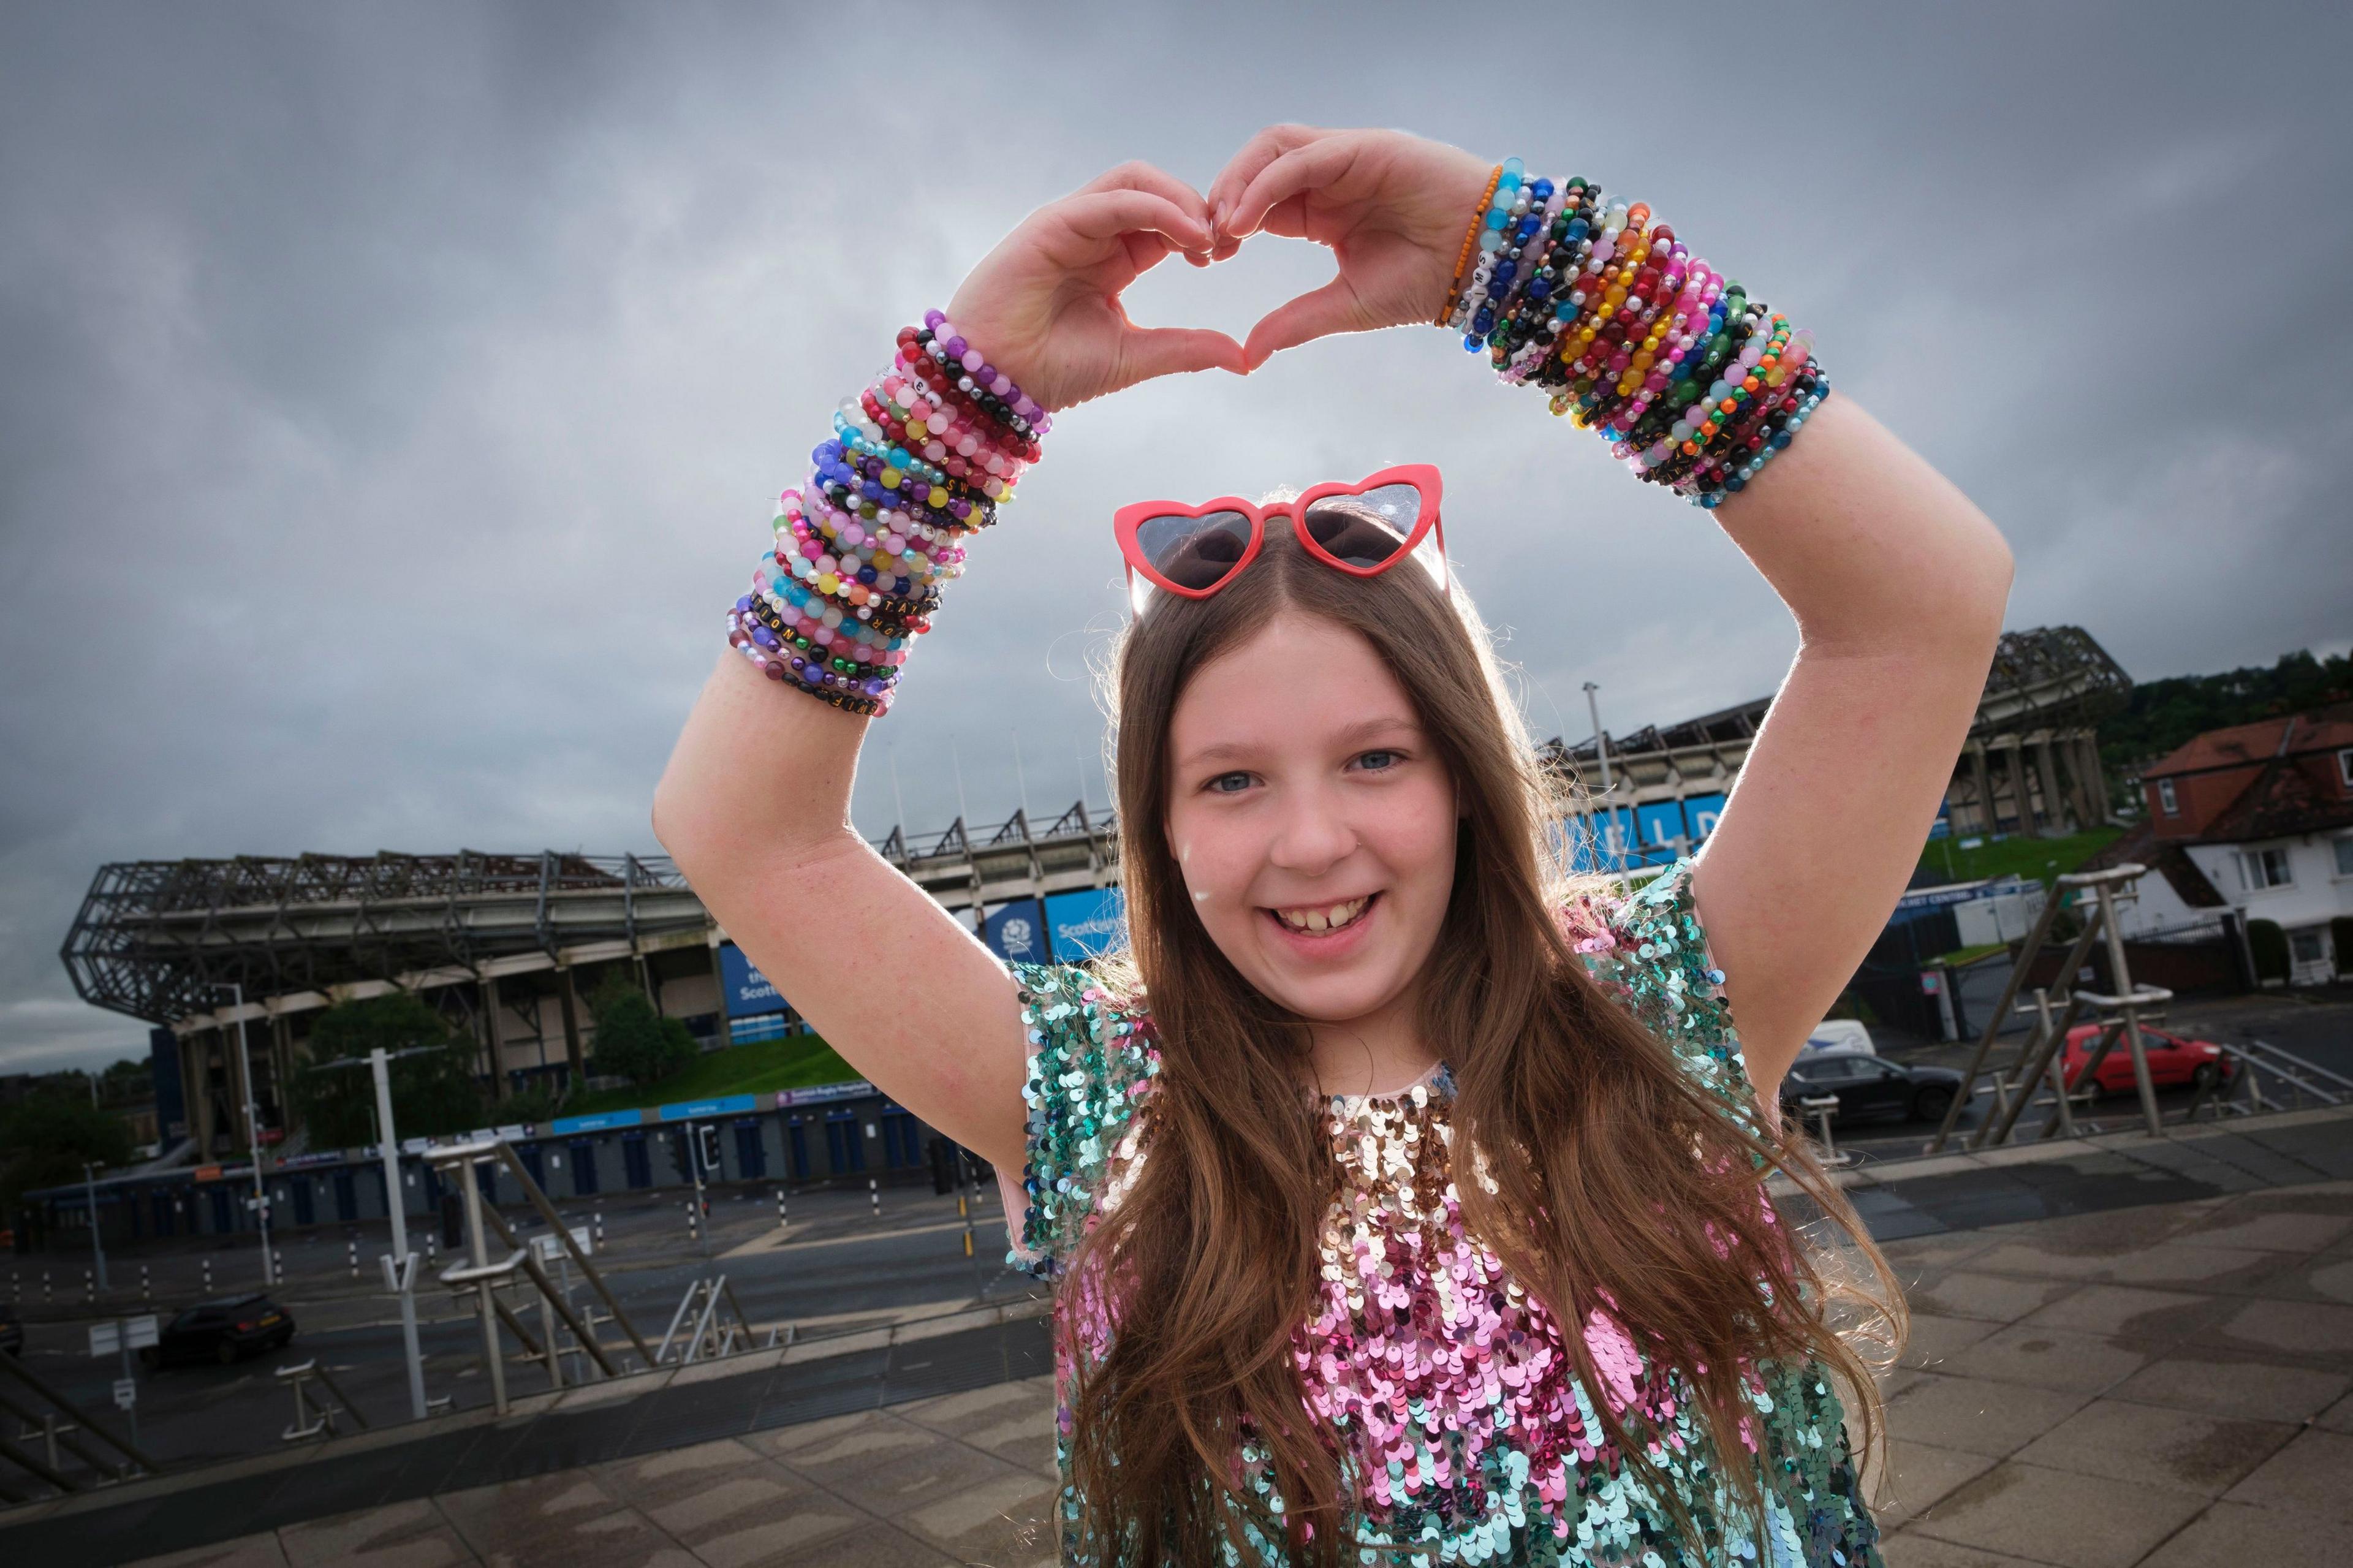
{"type": "Point", "coordinates": [160, 939]}
{"type": "Point", "coordinates": [2046, 678]}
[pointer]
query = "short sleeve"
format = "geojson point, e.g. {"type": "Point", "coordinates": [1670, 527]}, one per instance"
{"type": "Point", "coordinates": [1092, 1065]}
{"type": "Point", "coordinates": [1649, 950]}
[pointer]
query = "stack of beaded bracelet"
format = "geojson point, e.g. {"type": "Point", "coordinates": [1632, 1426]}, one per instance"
{"type": "Point", "coordinates": [918, 461]}
{"type": "Point", "coordinates": [1692, 382]}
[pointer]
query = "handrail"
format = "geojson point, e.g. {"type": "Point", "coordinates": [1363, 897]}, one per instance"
{"type": "Point", "coordinates": [130, 1451]}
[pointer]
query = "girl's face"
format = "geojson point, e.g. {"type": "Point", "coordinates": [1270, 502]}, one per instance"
{"type": "Point", "coordinates": [1312, 821]}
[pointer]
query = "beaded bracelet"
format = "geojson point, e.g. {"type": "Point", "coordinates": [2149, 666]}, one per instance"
{"type": "Point", "coordinates": [918, 461]}
{"type": "Point", "coordinates": [1693, 384]}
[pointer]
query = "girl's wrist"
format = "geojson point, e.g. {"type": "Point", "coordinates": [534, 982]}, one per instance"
{"type": "Point", "coordinates": [917, 463]}
{"type": "Point", "coordinates": [1694, 383]}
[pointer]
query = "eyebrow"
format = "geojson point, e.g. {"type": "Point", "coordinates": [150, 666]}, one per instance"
{"type": "Point", "coordinates": [1355, 733]}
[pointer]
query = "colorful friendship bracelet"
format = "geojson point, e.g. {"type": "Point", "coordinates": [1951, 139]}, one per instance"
{"type": "Point", "coordinates": [918, 461]}
{"type": "Point", "coordinates": [1696, 386]}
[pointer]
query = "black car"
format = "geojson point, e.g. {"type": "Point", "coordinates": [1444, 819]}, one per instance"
{"type": "Point", "coordinates": [12, 1331]}
{"type": "Point", "coordinates": [1869, 1086]}
{"type": "Point", "coordinates": [226, 1330]}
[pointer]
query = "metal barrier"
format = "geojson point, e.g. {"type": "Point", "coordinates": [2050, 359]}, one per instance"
{"type": "Point", "coordinates": [482, 1276]}
{"type": "Point", "coordinates": [2042, 1053]}
{"type": "Point", "coordinates": [306, 1425]}
{"type": "Point", "coordinates": [65, 1434]}
{"type": "Point", "coordinates": [710, 1334]}
{"type": "Point", "coordinates": [2257, 1057]}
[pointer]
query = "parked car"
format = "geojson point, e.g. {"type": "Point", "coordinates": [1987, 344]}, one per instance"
{"type": "Point", "coordinates": [226, 1330]}
{"type": "Point", "coordinates": [1868, 1085]}
{"type": "Point", "coordinates": [2172, 1060]}
{"type": "Point", "coordinates": [12, 1331]}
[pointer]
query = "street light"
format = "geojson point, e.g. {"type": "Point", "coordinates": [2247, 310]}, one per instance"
{"type": "Point", "coordinates": [402, 1276]}
{"type": "Point", "coordinates": [90, 1186]}
{"type": "Point", "coordinates": [252, 1132]}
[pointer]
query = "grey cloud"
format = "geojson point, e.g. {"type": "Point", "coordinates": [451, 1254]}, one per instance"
{"type": "Point", "coordinates": [392, 394]}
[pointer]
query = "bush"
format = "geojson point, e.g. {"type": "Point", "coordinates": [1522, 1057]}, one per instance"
{"type": "Point", "coordinates": [633, 1041]}
{"type": "Point", "coordinates": [2340, 937]}
{"type": "Point", "coordinates": [2268, 943]}
{"type": "Point", "coordinates": [44, 1140]}
{"type": "Point", "coordinates": [432, 1094]}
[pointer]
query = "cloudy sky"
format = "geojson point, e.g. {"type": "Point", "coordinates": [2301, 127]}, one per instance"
{"type": "Point", "coordinates": [391, 397]}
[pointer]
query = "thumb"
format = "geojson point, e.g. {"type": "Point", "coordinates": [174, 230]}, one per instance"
{"type": "Point", "coordinates": [1318, 313]}
{"type": "Point", "coordinates": [1145, 352]}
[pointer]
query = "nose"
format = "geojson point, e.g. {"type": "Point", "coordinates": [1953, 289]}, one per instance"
{"type": "Point", "coordinates": [1311, 835]}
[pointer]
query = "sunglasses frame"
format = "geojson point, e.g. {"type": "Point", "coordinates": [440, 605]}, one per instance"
{"type": "Point", "coordinates": [1423, 476]}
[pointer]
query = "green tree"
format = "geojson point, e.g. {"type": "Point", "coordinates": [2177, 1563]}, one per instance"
{"type": "Point", "coordinates": [431, 1094]}
{"type": "Point", "coordinates": [633, 1041]}
{"type": "Point", "coordinates": [44, 1140]}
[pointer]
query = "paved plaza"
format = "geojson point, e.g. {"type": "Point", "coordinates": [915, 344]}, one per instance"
{"type": "Point", "coordinates": [2168, 1386]}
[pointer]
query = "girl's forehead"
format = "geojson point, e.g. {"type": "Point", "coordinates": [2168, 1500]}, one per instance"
{"type": "Point", "coordinates": [1298, 682]}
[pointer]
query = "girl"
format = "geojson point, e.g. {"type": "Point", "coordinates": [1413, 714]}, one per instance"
{"type": "Point", "coordinates": [1406, 1203]}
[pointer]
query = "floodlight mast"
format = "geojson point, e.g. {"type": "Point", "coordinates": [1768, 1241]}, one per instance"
{"type": "Point", "coordinates": [404, 1271]}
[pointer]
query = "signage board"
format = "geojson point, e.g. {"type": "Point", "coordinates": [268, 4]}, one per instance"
{"type": "Point", "coordinates": [138, 1333]}
{"type": "Point", "coordinates": [822, 1093]}
{"type": "Point", "coordinates": [746, 990]}
{"type": "Point", "coordinates": [723, 1105]}
{"type": "Point", "coordinates": [208, 1172]}
{"type": "Point", "coordinates": [1016, 932]}
{"type": "Point", "coordinates": [126, 1393]}
{"type": "Point", "coordinates": [1086, 923]}
{"type": "Point", "coordinates": [106, 1338]}
{"type": "Point", "coordinates": [564, 1126]}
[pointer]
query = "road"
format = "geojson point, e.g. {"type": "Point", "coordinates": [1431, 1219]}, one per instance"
{"type": "Point", "coordinates": [836, 1269]}
{"type": "Point", "coordinates": [2317, 1026]}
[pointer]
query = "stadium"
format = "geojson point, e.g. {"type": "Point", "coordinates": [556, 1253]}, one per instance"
{"type": "Point", "coordinates": [229, 960]}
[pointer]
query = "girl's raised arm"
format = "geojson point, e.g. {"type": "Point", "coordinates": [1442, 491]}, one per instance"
{"type": "Point", "coordinates": [754, 805]}
{"type": "Point", "coordinates": [1897, 582]}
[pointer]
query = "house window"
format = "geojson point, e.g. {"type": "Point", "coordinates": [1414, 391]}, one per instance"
{"type": "Point", "coordinates": [2267, 868]}
{"type": "Point", "coordinates": [2304, 945]}
{"type": "Point", "coordinates": [2345, 856]}
{"type": "Point", "coordinates": [2165, 798]}
{"type": "Point", "coordinates": [2344, 767]}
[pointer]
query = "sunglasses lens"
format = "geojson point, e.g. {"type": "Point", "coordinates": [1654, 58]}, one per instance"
{"type": "Point", "coordinates": [1366, 530]}
{"type": "Point", "coordinates": [1195, 552]}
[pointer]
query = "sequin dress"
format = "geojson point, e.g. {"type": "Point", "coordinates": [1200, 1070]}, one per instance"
{"type": "Point", "coordinates": [1462, 1419]}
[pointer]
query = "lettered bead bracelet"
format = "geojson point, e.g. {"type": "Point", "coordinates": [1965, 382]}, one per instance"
{"type": "Point", "coordinates": [1696, 386]}
{"type": "Point", "coordinates": [918, 462]}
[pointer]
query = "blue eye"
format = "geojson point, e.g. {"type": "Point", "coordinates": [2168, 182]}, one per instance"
{"type": "Point", "coordinates": [1228, 783]}
{"type": "Point", "coordinates": [1380, 761]}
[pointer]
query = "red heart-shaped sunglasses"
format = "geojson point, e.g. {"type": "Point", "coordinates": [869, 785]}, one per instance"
{"type": "Point", "coordinates": [1362, 529]}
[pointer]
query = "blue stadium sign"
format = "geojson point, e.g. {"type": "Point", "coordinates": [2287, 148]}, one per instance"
{"type": "Point", "coordinates": [564, 1126]}
{"type": "Point", "coordinates": [1086, 924]}
{"type": "Point", "coordinates": [699, 1109]}
{"type": "Point", "coordinates": [1016, 932]}
{"type": "Point", "coordinates": [748, 992]}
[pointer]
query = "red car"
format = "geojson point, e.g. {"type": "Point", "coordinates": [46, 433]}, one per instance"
{"type": "Point", "coordinates": [2172, 1060]}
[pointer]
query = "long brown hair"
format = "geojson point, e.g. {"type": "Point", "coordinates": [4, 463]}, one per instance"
{"type": "Point", "coordinates": [1612, 1172]}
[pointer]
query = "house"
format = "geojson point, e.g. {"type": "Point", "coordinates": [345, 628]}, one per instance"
{"type": "Point", "coordinates": [2264, 811]}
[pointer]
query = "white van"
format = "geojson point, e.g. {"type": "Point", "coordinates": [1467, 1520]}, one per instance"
{"type": "Point", "coordinates": [1840, 1034]}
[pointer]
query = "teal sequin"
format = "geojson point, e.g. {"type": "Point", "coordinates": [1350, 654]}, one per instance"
{"type": "Point", "coordinates": [1464, 1422]}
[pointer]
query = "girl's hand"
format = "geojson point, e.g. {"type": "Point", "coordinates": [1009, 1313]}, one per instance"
{"type": "Point", "coordinates": [1393, 209]}
{"type": "Point", "coordinates": [1044, 305]}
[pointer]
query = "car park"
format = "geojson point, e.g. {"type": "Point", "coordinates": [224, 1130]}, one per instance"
{"type": "Point", "coordinates": [1868, 1087]}
{"type": "Point", "coordinates": [2173, 1061]}
{"type": "Point", "coordinates": [226, 1330]}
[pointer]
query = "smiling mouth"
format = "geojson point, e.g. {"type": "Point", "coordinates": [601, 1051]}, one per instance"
{"type": "Point", "coordinates": [1324, 920]}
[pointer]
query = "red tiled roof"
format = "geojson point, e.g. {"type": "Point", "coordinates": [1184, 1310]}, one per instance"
{"type": "Point", "coordinates": [2140, 846]}
{"type": "Point", "coordinates": [2287, 798]}
{"type": "Point", "coordinates": [2322, 729]}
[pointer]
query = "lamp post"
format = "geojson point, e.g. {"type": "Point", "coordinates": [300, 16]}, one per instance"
{"type": "Point", "coordinates": [252, 1133]}
{"type": "Point", "coordinates": [403, 1274]}
{"type": "Point", "coordinates": [98, 1249]}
